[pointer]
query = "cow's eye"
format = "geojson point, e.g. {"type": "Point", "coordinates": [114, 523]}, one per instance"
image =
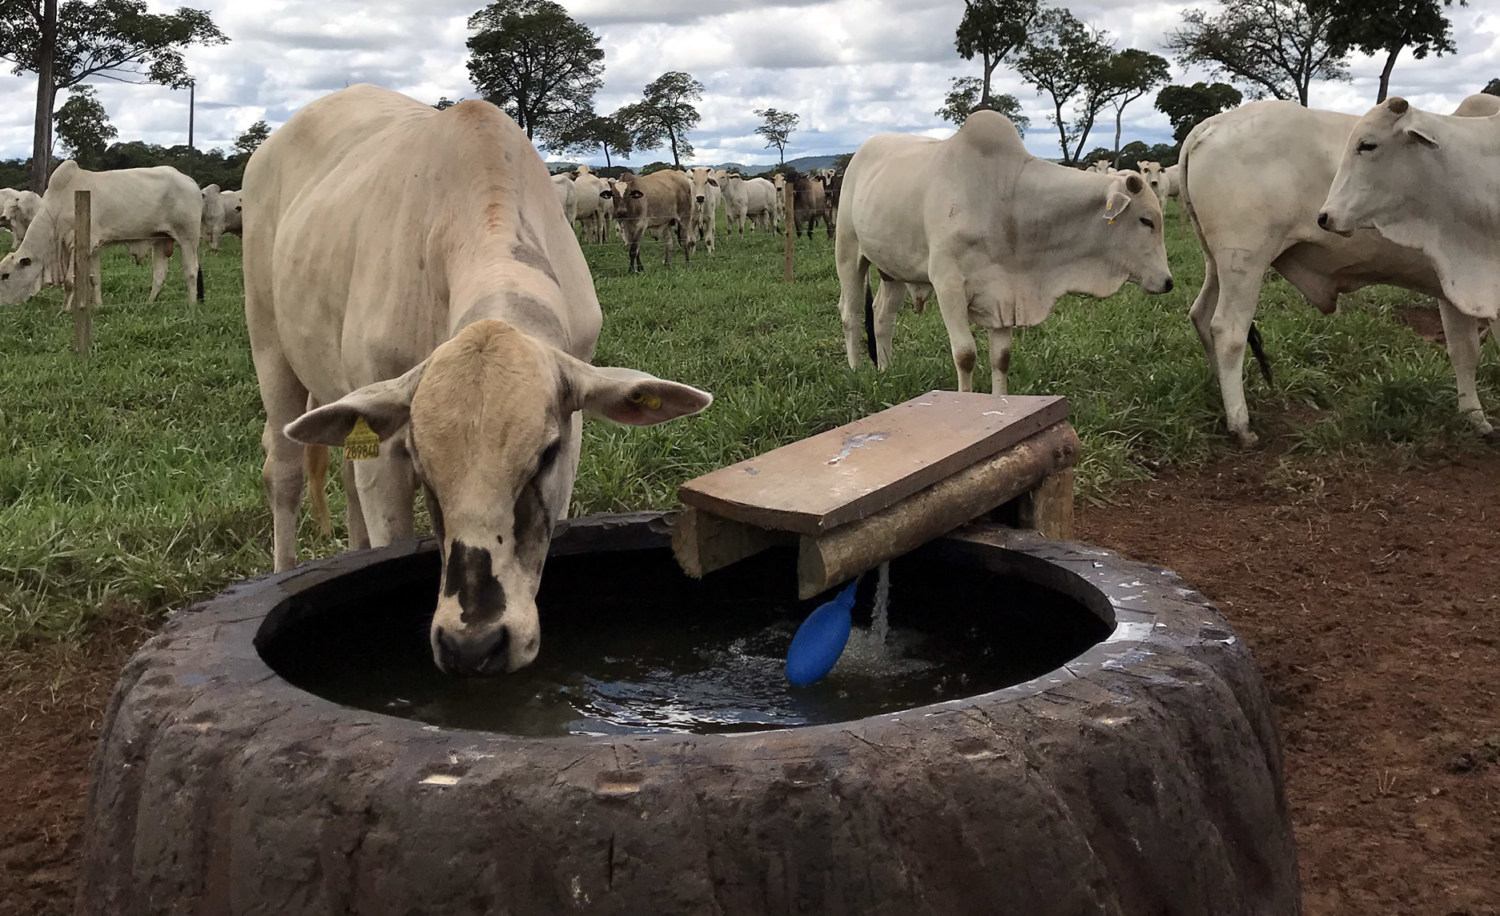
{"type": "Point", "coordinates": [549, 455]}
{"type": "Point", "coordinates": [1147, 222]}
{"type": "Point", "coordinates": [1364, 146]}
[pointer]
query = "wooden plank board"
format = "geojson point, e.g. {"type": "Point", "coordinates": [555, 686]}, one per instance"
{"type": "Point", "coordinates": [815, 485]}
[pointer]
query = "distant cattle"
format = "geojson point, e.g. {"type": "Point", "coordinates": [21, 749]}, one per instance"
{"type": "Point", "coordinates": [832, 188]}
{"type": "Point", "coordinates": [660, 203]}
{"type": "Point", "coordinates": [17, 210]}
{"type": "Point", "coordinates": [778, 182]}
{"type": "Point", "coordinates": [810, 204]}
{"type": "Point", "coordinates": [567, 197]}
{"type": "Point", "coordinates": [409, 269]}
{"type": "Point", "coordinates": [594, 211]}
{"type": "Point", "coordinates": [1101, 165]}
{"type": "Point", "coordinates": [1252, 182]}
{"type": "Point", "coordinates": [706, 196]}
{"type": "Point", "coordinates": [762, 204]}
{"type": "Point", "coordinates": [234, 211]}
{"type": "Point", "coordinates": [998, 234]}
{"type": "Point", "coordinates": [139, 207]}
{"type": "Point", "coordinates": [1162, 181]}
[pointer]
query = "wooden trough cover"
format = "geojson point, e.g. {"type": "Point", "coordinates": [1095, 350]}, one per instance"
{"type": "Point", "coordinates": [815, 485]}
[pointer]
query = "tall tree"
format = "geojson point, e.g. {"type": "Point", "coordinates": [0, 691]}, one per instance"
{"type": "Point", "coordinates": [249, 141]}
{"type": "Point", "coordinates": [66, 43]}
{"type": "Point", "coordinates": [1492, 87]}
{"type": "Point", "coordinates": [963, 97]}
{"type": "Point", "coordinates": [993, 30]}
{"type": "Point", "coordinates": [1070, 62]}
{"type": "Point", "coordinates": [535, 61]}
{"type": "Point", "coordinates": [1388, 26]}
{"type": "Point", "coordinates": [665, 114]}
{"type": "Point", "coordinates": [444, 103]}
{"type": "Point", "coordinates": [83, 126]}
{"type": "Point", "coordinates": [1273, 47]}
{"type": "Point", "coordinates": [777, 126]}
{"type": "Point", "coordinates": [1132, 74]}
{"type": "Point", "coordinates": [1188, 106]}
{"type": "Point", "coordinates": [606, 132]}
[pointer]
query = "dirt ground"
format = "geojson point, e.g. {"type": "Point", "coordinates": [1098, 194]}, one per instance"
{"type": "Point", "coordinates": [1371, 600]}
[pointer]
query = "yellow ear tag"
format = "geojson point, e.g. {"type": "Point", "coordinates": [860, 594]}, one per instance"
{"type": "Point", "coordinates": [646, 400]}
{"type": "Point", "coordinates": [361, 444]}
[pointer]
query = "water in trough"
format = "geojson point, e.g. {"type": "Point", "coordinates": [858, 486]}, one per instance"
{"type": "Point", "coordinates": [630, 645]}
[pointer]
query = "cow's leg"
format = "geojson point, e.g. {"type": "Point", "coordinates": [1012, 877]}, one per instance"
{"type": "Point", "coordinates": [1204, 307]}
{"type": "Point", "coordinates": [1462, 335]}
{"type": "Point", "coordinates": [953, 303]}
{"type": "Point", "coordinates": [359, 534]}
{"type": "Point", "coordinates": [284, 399]}
{"type": "Point", "coordinates": [667, 232]}
{"type": "Point", "coordinates": [1228, 328]}
{"type": "Point", "coordinates": [160, 260]}
{"type": "Point", "coordinates": [190, 268]}
{"type": "Point", "coordinates": [854, 275]}
{"type": "Point", "coordinates": [888, 302]}
{"type": "Point", "coordinates": [386, 488]}
{"type": "Point", "coordinates": [999, 359]}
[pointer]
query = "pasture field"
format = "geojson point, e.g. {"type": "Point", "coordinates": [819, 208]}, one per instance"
{"type": "Point", "coordinates": [130, 481]}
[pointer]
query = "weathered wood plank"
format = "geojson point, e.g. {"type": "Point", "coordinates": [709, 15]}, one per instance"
{"type": "Point", "coordinates": [1049, 507]}
{"type": "Point", "coordinates": [818, 484]}
{"type": "Point", "coordinates": [704, 542]}
{"type": "Point", "coordinates": [836, 557]}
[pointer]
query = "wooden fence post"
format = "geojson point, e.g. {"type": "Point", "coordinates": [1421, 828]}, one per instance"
{"type": "Point", "coordinates": [83, 276]}
{"type": "Point", "coordinates": [791, 228]}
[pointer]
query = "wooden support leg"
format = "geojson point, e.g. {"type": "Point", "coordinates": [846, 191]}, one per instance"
{"type": "Point", "coordinates": [704, 542]}
{"type": "Point", "coordinates": [1049, 508]}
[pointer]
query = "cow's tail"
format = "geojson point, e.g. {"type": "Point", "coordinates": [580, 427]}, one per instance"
{"type": "Point", "coordinates": [315, 458]}
{"type": "Point", "coordinates": [200, 283]}
{"type": "Point", "coordinates": [870, 322]}
{"type": "Point", "coordinates": [1259, 350]}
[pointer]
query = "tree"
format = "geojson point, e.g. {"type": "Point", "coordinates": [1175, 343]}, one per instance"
{"type": "Point", "coordinates": [963, 100]}
{"type": "Point", "coordinates": [992, 30]}
{"type": "Point", "coordinates": [665, 114]}
{"type": "Point", "coordinates": [1070, 62]}
{"type": "Point", "coordinates": [65, 44]}
{"type": "Point", "coordinates": [608, 133]}
{"type": "Point", "coordinates": [83, 126]}
{"type": "Point", "coordinates": [777, 128]}
{"type": "Point", "coordinates": [444, 103]}
{"type": "Point", "coordinates": [1188, 106]}
{"type": "Point", "coordinates": [1387, 26]}
{"type": "Point", "coordinates": [1132, 74]}
{"type": "Point", "coordinates": [1492, 87]}
{"type": "Point", "coordinates": [1273, 47]}
{"type": "Point", "coordinates": [254, 135]}
{"type": "Point", "coordinates": [535, 61]}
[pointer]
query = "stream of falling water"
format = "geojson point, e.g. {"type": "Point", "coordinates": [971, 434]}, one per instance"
{"type": "Point", "coordinates": [867, 650]}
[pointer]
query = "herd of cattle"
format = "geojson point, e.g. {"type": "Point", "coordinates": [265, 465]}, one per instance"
{"type": "Point", "coordinates": [447, 308]}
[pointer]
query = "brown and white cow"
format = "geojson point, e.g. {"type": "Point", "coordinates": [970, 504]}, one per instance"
{"type": "Point", "coordinates": [1252, 182]}
{"type": "Point", "coordinates": [660, 203]}
{"type": "Point", "coordinates": [998, 234]}
{"type": "Point", "coordinates": [810, 204]}
{"type": "Point", "coordinates": [410, 270]}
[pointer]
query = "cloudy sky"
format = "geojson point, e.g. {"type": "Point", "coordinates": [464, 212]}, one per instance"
{"type": "Point", "coordinates": [849, 68]}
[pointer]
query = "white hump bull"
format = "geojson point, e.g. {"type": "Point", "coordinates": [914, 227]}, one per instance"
{"type": "Point", "coordinates": [998, 234]}
{"type": "Point", "coordinates": [466, 352]}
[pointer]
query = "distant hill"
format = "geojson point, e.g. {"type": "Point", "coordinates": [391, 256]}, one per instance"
{"type": "Point", "coordinates": [801, 164]}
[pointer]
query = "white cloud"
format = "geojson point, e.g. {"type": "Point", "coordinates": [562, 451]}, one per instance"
{"type": "Point", "coordinates": [848, 68]}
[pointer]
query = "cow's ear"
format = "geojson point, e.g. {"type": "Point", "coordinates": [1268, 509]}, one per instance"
{"type": "Point", "coordinates": [631, 397]}
{"type": "Point", "coordinates": [1115, 204]}
{"type": "Point", "coordinates": [1134, 184]}
{"type": "Point", "coordinates": [713, 182]}
{"type": "Point", "coordinates": [1422, 137]}
{"type": "Point", "coordinates": [384, 406]}
{"type": "Point", "coordinates": [637, 192]}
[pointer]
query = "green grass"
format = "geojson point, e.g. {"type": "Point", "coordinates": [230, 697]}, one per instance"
{"type": "Point", "coordinates": [130, 481]}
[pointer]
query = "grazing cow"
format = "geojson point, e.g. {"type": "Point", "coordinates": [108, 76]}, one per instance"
{"type": "Point", "coordinates": [762, 204]}
{"type": "Point", "coordinates": [155, 206]}
{"type": "Point", "coordinates": [593, 210]}
{"type": "Point", "coordinates": [409, 269]}
{"type": "Point", "coordinates": [1252, 181]}
{"type": "Point", "coordinates": [660, 203]}
{"type": "Point", "coordinates": [17, 210]}
{"type": "Point", "coordinates": [1428, 182]}
{"type": "Point", "coordinates": [810, 204]}
{"type": "Point", "coordinates": [706, 194]}
{"type": "Point", "coordinates": [567, 197]}
{"type": "Point", "coordinates": [998, 234]}
{"type": "Point", "coordinates": [213, 215]}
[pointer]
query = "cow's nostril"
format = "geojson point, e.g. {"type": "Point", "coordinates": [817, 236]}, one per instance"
{"type": "Point", "coordinates": [1322, 220]}
{"type": "Point", "coordinates": [1169, 284]}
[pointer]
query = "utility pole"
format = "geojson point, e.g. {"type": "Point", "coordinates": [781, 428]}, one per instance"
{"type": "Point", "coordinates": [192, 90]}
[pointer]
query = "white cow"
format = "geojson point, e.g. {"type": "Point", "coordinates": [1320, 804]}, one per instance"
{"type": "Point", "coordinates": [736, 201]}
{"type": "Point", "coordinates": [17, 210]}
{"type": "Point", "coordinates": [1172, 176]}
{"type": "Point", "coordinates": [1163, 181]}
{"type": "Point", "coordinates": [567, 197]}
{"type": "Point", "coordinates": [594, 212]}
{"type": "Point", "coordinates": [706, 196]}
{"type": "Point", "coordinates": [410, 270]}
{"type": "Point", "coordinates": [1101, 165]}
{"type": "Point", "coordinates": [1428, 182]}
{"type": "Point", "coordinates": [154, 206]}
{"type": "Point", "coordinates": [1252, 181]}
{"type": "Point", "coordinates": [762, 204]}
{"type": "Point", "coordinates": [998, 234]}
{"type": "Point", "coordinates": [234, 211]}
{"type": "Point", "coordinates": [778, 182]}
{"type": "Point", "coordinates": [213, 215]}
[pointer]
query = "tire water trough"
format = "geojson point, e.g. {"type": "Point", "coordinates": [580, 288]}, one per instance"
{"type": "Point", "coordinates": [1023, 725]}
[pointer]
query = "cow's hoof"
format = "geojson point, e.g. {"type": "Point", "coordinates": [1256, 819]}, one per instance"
{"type": "Point", "coordinates": [1492, 436]}
{"type": "Point", "coordinates": [1246, 439]}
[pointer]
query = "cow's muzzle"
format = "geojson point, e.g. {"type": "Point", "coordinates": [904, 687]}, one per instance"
{"type": "Point", "coordinates": [1328, 224]}
{"type": "Point", "coordinates": [489, 654]}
